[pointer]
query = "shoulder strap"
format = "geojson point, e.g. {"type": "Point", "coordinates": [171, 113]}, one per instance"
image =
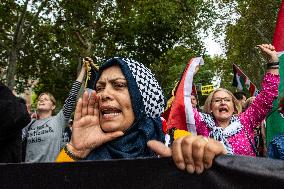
{"type": "Point", "coordinates": [252, 145]}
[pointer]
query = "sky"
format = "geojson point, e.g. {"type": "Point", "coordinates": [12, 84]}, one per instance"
{"type": "Point", "coordinates": [213, 48]}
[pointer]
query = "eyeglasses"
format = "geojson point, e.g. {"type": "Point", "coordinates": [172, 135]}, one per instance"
{"type": "Point", "coordinates": [219, 100]}
{"type": "Point", "coordinates": [44, 99]}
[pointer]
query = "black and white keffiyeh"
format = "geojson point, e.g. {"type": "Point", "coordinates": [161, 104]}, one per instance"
{"type": "Point", "coordinates": [148, 103]}
{"type": "Point", "coordinates": [220, 134]}
{"type": "Point", "coordinates": [153, 98]}
{"type": "Point", "coordinates": [141, 83]}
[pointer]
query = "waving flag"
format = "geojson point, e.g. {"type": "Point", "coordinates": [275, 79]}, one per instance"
{"type": "Point", "coordinates": [242, 82]}
{"type": "Point", "coordinates": [167, 111]}
{"type": "Point", "coordinates": [181, 113]}
{"type": "Point", "coordinates": [275, 121]}
{"type": "Point", "coordinates": [278, 39]}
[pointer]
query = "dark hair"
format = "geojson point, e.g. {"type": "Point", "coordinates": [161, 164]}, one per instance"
{"type": "Point", "coordinates": [239, 95]}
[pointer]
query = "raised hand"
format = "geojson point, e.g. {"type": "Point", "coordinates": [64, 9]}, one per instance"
{"type": "Point", "coordinates": [272, 56]}
{"type": "Point", "coordinates": [86, 131]}
{"type": "Point", "coordinates": [190, 153]}
{"type": "Point", "coordinates": [269, 51]}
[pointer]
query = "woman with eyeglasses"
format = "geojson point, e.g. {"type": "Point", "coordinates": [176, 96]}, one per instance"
{"type": "Point", "coordinates": [223, 121]}
{"type": "Point", "coordinates": [42, 138]}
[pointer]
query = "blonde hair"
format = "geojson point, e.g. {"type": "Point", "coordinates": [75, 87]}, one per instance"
{"type": "Point", "coordinates": [207, 104]}
{"type": "Point", "coordinates": [249, 101]}
{"type": "Point", "coordinates": [52, 99]}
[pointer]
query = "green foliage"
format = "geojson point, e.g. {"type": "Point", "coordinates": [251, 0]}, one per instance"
{"type": "Point", "coordinates": [7, 23]}
{"type": "Point", "coordinates": [255, 26]}
{"type": "Point", "coordinates": [68, 30]}
{"type": "Point", "coordinates": [169, 68]}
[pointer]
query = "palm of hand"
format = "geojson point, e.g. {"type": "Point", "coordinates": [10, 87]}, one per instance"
{"type": "Point", "coordinates": [86, 130]}
{"type": "Point", "coordinates": [87, 133]}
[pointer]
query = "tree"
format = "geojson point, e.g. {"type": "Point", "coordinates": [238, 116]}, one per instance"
{"type": "Point", "coordinates": [18, 36]}
{"type": "Point", "coordinates": [143, 30]}
{"type": "Point", "coordinates": [170, 69]}
{"type": "Point", "coordinates": [56, 35]}
{"type": "Point", "coordinates": [254, 25]}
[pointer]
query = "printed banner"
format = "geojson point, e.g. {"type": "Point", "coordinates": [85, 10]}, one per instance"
{"type": "Point", "coordinates": [206, 89]}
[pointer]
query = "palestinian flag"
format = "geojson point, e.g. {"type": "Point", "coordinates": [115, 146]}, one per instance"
{"type": "Point", "coordinates": [242, 82]}
{"type": "Point", "coordinates": [181, 113]}
{"type": "Point", "coordinates": [274, 120]}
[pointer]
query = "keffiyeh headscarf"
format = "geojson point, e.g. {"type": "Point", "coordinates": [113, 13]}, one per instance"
{"type": "Point", "coordinates": [148, 104]}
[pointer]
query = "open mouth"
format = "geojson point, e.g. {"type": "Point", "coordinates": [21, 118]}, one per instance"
{"type": "Point", "coordinates": [223, 109]}
{"type": "Point", "coordinates": [110, 112]}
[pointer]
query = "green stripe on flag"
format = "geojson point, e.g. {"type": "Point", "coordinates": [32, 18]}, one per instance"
{"type": "Point", "coordinates": [274, 120]}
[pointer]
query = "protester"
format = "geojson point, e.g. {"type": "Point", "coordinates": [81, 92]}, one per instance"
{"type": "Point", "coordinates": [194, 101]}
{"type": "Point", "coordinates": [276, 147]}
{"type": "Point", "coordinates": [14, 117]}
{"type": "Point", "coordinates": [235, 132]}
{"type": "Point", "coordinates": [43, 136]}
{"type": "Point", "coordinates": [120, 117]}
{"type": "Point", "coordinates": [221, 120]}
{"type": "Point", "coordinates": [241, 97]}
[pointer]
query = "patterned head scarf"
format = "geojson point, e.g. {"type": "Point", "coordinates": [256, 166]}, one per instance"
{"type": "Point", "coordinates": [148, 104]}
{"type": "Point", "coordinates": [143, 87]}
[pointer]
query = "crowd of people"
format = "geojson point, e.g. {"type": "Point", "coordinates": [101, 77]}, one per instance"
{"type": "Point", "coordinates": [121, 118]}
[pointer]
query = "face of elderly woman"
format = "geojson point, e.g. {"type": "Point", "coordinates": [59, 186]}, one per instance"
{"type": "Point", "coordinates": [116, 113]}
{"type": "Point", "coordinates": [222, 106]}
